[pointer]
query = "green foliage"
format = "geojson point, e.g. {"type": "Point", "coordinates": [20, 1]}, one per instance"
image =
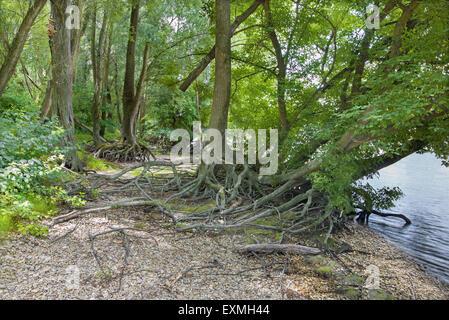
{"type": "Point", "coordinates": [23, 136]}
{"type": "Point", "coordinates": [365, 197]}
{"type": "Point", "coordinates": [170, 110]}
{"type": "Point", "coordinates": [28, 193]}
{"type": "Point", "coordinates": [15, 100]}
{"type": "Point", "coordinates": [6, 224]}
{"type": "Point", "coordinates": [82, 100]}
{"type": "Point", "coordinates": [30, 169]}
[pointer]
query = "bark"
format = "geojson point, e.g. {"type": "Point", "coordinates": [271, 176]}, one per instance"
{"type": "Point", "coordinates": [211, 54]}
{"type": "Point", "coordinates": [395, 215]}
{"type": "Point", "coordinates": [373, 165]}
{"type": "Point", "coordinates": [27, 84]}
{"type": "Point", "coordinates": [197, 99]}
{"type": "Point", "coordinates": [142, 109]}
{"type": "Point", "coordinates": [46, 105]}
{"type": "Point", "coordinates": [222, 86]}
{"type": "Point", "coordinates": [28, 77]}
{"type": "Point", "coordinates": [117, 94]}
{"type": "Point", "coordinates": [62, 81]}
{"type": "Point", "coordinates": [400, 27]}
{"type": "Point", "coordinates": [16, 47]}
{"type": "Point", "coordinates": [364, 54]}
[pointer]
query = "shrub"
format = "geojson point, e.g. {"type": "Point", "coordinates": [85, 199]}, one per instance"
{"type": "Point", "coordinates": [29, 192]}
{"type": "Point", "coordinates": [24, 137]}
{"type": "Point", "coordinates": [30, 170]}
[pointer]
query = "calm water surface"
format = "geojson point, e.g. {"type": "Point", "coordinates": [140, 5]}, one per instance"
{"type": "Point", "coordinates": [425, 184]}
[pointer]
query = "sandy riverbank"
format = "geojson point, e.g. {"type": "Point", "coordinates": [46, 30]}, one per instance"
{"type": "Point", "coordinates": [153, 261]}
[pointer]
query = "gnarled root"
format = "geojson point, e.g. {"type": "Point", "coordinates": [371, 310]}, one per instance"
{"type": "Point", "coordinates": [242, 199]}
{"type": "Point", "coordinates": [123, 152]}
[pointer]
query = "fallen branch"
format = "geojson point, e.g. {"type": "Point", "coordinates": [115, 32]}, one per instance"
{"type": "Point", "coordinates": [284, 248]}
{"type": "Point", "coordinates": [115, 205]}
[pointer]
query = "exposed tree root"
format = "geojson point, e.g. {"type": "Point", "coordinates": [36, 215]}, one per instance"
{"type": "Point", "coordinates": [364, 216]}
{"type": "Point", "coordinates": [286, 204]}
{"type": "Point", "coordinates": [242, 199]}
{"type": "Point", "coordinates": [123, 152]}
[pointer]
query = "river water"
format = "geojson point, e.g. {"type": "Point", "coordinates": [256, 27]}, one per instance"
{"type": "Point", "coordinates": [425, 183]}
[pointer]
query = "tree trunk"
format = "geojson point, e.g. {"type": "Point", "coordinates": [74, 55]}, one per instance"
{"type": "Point", "coordinates": [129, 104]}
{"type": "Point", "coordinates": [97, 58]}
{"type": "Point", "coordinates": [282, 73]}
{"type": "Point", "coordinates": [142, 108]}
{"type": "Point", "coordinates": [117, 94]}
{"type": "Point", "coordinates": [46, 105]}
{"type": "Point", "coordinates": [106, 99]}
{"type": "Point", "coordinates": [16, 48]}
{"type": "Point", "coordinates": [211, 54]}
{"type": "Point", "coordinates": [222, 86]}
{"type": "Point", "coordinates": [131, 95]}
{"type": "Point", "coordinates": [62, 81]}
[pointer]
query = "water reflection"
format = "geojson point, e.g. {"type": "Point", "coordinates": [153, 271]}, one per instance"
{"type": "Point", "coordinates": [425, 184]}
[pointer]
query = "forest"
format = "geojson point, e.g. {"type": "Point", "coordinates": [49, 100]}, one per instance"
{"type": "Point", "coordinates": [91, 93]}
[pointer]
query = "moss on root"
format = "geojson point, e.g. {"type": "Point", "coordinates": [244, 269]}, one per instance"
{"type": "Point", "coordinates": [91, 163]}
{"type": "Point", "coordinates": [325, 271]}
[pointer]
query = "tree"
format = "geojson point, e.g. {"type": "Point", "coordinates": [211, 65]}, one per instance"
{"type": "Point", "coordinates": [62, 80]}
{"type": "Point", "coordinates": [336, 137]}
{"type": "Point", "coordinates": [129, 148]}
{"type": "Point", "coordinates": [16, 47]}
{"type": "Point", "coordinates": [97, 56]}
{"type": "Point", "coordinates": [131, 95]}
{"type": "Point", "coordinates": [355, 99]}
